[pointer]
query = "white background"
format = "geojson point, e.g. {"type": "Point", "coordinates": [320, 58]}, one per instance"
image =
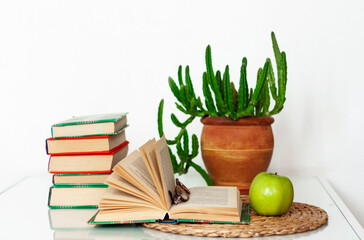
{"type": "Point", "coordinates": [65, 58]}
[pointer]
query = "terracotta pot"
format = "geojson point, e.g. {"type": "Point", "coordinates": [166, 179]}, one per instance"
{"type": "Point", "coordinates": [234, 152]}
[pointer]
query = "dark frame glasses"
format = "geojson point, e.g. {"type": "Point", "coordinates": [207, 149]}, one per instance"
{"type": "Point", "coordinates": [181, 193]}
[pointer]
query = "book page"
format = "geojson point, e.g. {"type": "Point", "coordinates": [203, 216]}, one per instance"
{"type": "Point", "coordinates": [116, 199]}
{"type": "Point", "coordinates": [119, 183]}
{"type": "Point", "coordinates": [150, 159]}
{"type": "Point", "coordinates": [210, 197]}
{"type": "Point", "coordinates": [165, 169]}
{"type": "Point", "coordinates": [133, 169]}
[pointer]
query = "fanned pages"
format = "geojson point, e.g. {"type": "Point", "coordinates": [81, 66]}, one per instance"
{"type": "Point", "coordinates": [134, 170]}
{"type": "Point", "coordinates": [165, 168]}
{"type": "Point", "coordinates": [149, 156]}
{"type": "Point", "coordinates": [141, 186]}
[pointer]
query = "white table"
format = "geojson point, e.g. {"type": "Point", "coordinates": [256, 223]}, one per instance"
{"type": "Point", "coordinates": [24, 215]}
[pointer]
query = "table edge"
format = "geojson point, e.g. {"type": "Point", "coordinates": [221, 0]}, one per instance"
{"type": "Point", "coordinates": [353, 222]}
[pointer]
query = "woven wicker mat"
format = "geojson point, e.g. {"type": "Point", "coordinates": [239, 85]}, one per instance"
{"type": "Point", "coordinates": [300, 218]}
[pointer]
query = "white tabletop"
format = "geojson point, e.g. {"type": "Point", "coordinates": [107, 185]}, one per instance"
{"type": "Point", "coordinates": [25, 215]}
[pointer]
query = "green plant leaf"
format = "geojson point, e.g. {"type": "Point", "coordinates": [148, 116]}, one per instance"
{"type": "Point", "coordinates": [189, 85]}
{"type": "Point", "coordinates": [265, 98]}
{"type": "Point", "coordinates": [213, 83]}
{"type": "Point", "coordinates": [184, 96]}
{"type": "Point", "coordinates": [160, 118]}
{"type": "Point", "coordinates": [188, 121]}
{"type": "Point", "coordinates": [259, 102]}
{"type": "Point", "coordinates": [173, 160]}
{"type": "Point", "coordinates": [180, 79]}
{"type": "Point", "coordinates": [186, 149]}
{"type": "Point", "coordinates": [258, 87]}
{"type": "Point", "coordinates": [176, 121]}
{"type": "Point", "coordinates": [229, 97]}
{"type": "Point", "coordinates": [181, 108]}
{"type": "Point", "coordinates": [175, 90]}
{"type": "Point", "coordinates": [195, 146]}
{"type": "Point", "coordinates": [272, 81]}
{"type": "Point", "coordinates": [208, 97]}
{"type": "Point", "coordinates": [277, 52]}
{"type": "Point", "coordinates": [180, 152]}
{"type": "Point", "coordinates": [243, 89]}
{"type": "Point", "coordinates": [219, 82]}
{"type": "Point", "coordinates": [235, 96]}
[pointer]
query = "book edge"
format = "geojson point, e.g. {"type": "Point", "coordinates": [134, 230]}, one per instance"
{"type": "Point", "coordinates": [109, 152]}
{"type": "Point", "coordinates": [244, 220]}
{"type": "Point", "coordinates": [102, 135]}
{"type": "Point", "coordinates": [64, 123]}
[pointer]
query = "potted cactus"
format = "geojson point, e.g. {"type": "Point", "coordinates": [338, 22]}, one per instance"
{"type": "Point", "coordinates": [237, 139]}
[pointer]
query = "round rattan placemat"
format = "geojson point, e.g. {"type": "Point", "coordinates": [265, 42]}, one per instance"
{"type": "Point", "coordinates": [300, 218]}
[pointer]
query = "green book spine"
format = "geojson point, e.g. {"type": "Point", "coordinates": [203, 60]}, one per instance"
{"type": "Point", "coordinates": [89, 119]}
{"type": "Point", "coordinates": [75, 207]}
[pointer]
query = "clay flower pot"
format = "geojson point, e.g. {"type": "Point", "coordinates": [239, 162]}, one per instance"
{"type": "Point", "coordinates": [234, 152]}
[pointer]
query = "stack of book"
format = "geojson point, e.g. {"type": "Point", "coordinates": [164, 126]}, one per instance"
{"type": "Point", "coordinates": [83, 151]}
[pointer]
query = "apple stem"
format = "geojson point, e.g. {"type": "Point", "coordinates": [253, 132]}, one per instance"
{"type": "Point", "coordinates": [275, 173]}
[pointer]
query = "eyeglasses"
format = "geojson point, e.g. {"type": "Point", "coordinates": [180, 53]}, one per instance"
{"type": "Point", "coordinates": [182, 194]}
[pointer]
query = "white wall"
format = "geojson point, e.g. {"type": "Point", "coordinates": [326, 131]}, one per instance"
{"type": "Point", "coordinates": [65, 58]}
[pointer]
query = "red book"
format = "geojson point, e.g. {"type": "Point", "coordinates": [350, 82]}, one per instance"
{"type": "Point", "coordinates": [76, 163]}
{"type": "Point", "coordinates": [84, 145]}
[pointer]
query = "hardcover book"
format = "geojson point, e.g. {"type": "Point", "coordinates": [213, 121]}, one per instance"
{"type": "Point", "coordinates": [80, 178]}
{"type": "Point", "coordinates": [90, 163]}
{"type": "Point", "coordinates": [142, 188]}
{"type": "Point", "coordinates": [75, 195]}
{"type": "Point", "coordinates": [91, 125]}
{"type": "Point", "coordinates": [85, 145]}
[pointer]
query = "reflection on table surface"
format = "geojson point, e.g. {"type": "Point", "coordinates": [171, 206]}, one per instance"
{"type": "Point", "coordinates": [72, 224]}
{"type": "Point", "coordinates": [25, 215]}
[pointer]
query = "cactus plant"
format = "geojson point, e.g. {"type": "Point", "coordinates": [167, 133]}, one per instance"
{"type": "Point", "coordinates": [222, 99]}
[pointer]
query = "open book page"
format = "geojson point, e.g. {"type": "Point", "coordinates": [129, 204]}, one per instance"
{"type": "Point", "coordinates": [120, 184]}
{"type": "Point", "coordinates": [209, 203]}
{"type": "Point", "coordinates": [148, 153]}
{"type": "Point", "coordinates": [133, 169]}
{"type": "Point", "coordinates": [116, 199]}
{"type": "Point", "coordinates": [126, 215]}
{"type": "Point", "coordinates": [165, 168]}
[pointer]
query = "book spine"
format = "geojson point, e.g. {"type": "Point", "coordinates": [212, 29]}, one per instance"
{"type": "Point", "coordinates": [49, 163]}
{"type": "Point", "coordinates": [46, 146]}
{"type": "Point", "coordinates": [81, 173]}
{"type": "Point", "coordinates": [122, 222]}
{"type": "Point", "coordinates": [75, 207]}
{"type": "Point", "coordinates": [113, 119]}
{"type": "Point", "coordinates": [85, 185]}
{"type": "Point", "coordinates": [103, 135]}
{"type": "Point", "coordinates": [49, 196]}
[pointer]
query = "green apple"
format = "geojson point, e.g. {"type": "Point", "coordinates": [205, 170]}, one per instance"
{"type": "Point", "coordinates": [271, 194]}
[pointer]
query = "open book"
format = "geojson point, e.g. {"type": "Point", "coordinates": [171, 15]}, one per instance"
{"type": "Point", "coordinates": [141, 186]}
